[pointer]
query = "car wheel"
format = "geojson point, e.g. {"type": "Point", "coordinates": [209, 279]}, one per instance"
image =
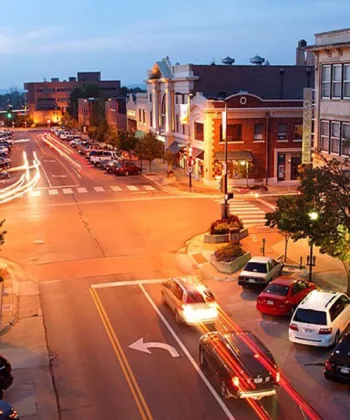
{"type": "Point", "coordinates": [223, 389]}
{"type": "Point", "coordinates": [202, 360]}
{"type": "Point", "coordinates": [126, 173]}
{"type": "Point", "coordinates": [336, 339]}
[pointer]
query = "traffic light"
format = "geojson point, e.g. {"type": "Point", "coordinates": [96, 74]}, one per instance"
{"type": "Point", "coordinates": [9, 115]}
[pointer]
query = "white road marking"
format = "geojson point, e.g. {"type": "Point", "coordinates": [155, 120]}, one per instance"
{"type": "Point", "coordinates": [58, 187]}
{"type": "Point", "coordinates": [126, 283]}
{"type": "Point", "coordinates": [82, 190]}
{"type": "Point", "coordinates": [149, 188]}
{"type": "Point", "coordinates": [188, 355]}
{"type": "Point", "coordinates": [265, 203]}
{"type": "Point", "coordinates": [115, 188]}
{"type": "Point", "coordinates": [49, 161]}
{"type": "Point", "coordinates": [99, 189]}
{"type": "Point", "coordinates": [59, 176]}
{"type": "Point", "coordinates": [140, 345]}
{"type": "Point", "coordinates": [35, 193]}
{"type": "Point", "coordinates": [132, 188]}
{"type": "Point", "coordinates": [67, 191]}
{"type": "Point", "coordinates": [53, 192]}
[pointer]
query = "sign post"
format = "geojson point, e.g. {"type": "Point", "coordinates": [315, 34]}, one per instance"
{"type": "Point", "coordinates": [307, 127]}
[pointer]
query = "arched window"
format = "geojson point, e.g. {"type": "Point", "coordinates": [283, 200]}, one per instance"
{"type": "Point", "coordinates": [163, 112]}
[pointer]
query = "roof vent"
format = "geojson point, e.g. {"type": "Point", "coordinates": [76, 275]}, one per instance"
{"type": "Point", "coordinates": [257, 60]}
{"type": "Point", "coordinates": [228, 61]}
{"type": "Point", "coordinates": [55, 79]}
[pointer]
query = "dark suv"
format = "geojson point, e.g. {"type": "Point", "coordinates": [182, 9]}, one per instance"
{"type": "Point", "coordinates": [127, 168]}
{"type": "Point", "coordinates": [240, 362]}
{"type": "Point", "coordinates": [337, 367]}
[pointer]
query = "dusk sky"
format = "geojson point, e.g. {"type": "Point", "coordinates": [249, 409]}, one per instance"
{"type": "Point", "coordinates": [122, 39]}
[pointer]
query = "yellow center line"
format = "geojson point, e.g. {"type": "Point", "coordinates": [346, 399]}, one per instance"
{"type": "Point", "coordinates": [129, 376]}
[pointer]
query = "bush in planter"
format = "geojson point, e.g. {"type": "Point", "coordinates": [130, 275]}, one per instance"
{"type": "Point", "coordinates": [222, 226]}
{"type": "Point", "coordinates": [229, 253]}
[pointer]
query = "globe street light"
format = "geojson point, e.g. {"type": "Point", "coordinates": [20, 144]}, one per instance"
{"type": "Point", "coordinates": [313, 215]}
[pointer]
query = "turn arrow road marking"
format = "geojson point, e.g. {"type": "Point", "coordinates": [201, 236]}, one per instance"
{"type": "Point", "coordinates": [140, 345]}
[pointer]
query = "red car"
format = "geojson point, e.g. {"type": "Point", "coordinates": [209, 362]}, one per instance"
{"type": "Point", "coordinates": [127, 168]}
{"type": "Point", "coordinates": [282, 295]}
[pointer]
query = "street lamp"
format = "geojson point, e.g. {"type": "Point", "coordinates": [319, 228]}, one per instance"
{"type": "Point", "coordinates": [311, 260]}
{"type": "Point", "coordinates": [246, 164]}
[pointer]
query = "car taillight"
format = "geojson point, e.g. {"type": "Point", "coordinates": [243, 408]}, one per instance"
{"type": "Point", "coordinates": [293, 327]}
{"type": "Point", "coordinates": [327, 365]}
{"type": "Point", "coordinates": [325, 331]}
{"type": "Point", "coordinates": [235, 381]}
{"type": "Point", "coordinates": [278, 377]}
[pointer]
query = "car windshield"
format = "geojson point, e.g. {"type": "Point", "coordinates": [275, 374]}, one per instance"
{"type": "Point", "coordinates": [310, 316]}
{"type": "Point", "coordinates": [277, 289]}
{"type": "Point", "coordinates": [199, 297]}
{"type": "Point", "coordinates": [256, 267]}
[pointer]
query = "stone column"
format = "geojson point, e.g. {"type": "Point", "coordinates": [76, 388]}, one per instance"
{"type": "Point", "coordinates": [169, 108]}
{"type": "Point", "coordinates": [208, 147]}
{"type": "Point", "coordinates": [155, 106]}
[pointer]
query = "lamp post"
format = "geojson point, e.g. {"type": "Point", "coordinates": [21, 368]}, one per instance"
{"type": "Point", "coordinates": [225, 210]}
{"type": "Point", "coordinates": [311, 260]}
{"type": "Point", "coordinates": [246, 164]}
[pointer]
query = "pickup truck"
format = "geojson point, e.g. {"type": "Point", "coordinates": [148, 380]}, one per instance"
{"type": "Point", "coordinates": [101, 155]}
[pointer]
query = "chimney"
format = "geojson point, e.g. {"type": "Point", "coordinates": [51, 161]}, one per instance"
{"type": "Point", "coordinates": [300, 53]}
{"type": "Point", "coordinates": [55, 79]}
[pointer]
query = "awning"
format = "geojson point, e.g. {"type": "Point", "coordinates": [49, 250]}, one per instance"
{"type": "Point", "coordinates": [175, 147]}
{"type": "Point", "coordinates": [196, 153]}
{"type": "Point", "coordinates": [236, 155]}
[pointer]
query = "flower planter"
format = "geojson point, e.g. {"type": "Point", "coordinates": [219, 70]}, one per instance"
{"type": "Point", "coordinates": [230, 267]}
{"type": "Point", "coordinates": [224, 237]}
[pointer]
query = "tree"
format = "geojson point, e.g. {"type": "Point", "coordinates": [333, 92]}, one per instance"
{"type": "Point", "coordinates": [326, 191]}
{"type": "Point", "coordinates": [112, 137]}
{"type": "Point", "coordinates": [126, 141]}
{"type": "Point", "coordinates": [87, 90]}
{"type": "Point", "coordinates": [149, 148]}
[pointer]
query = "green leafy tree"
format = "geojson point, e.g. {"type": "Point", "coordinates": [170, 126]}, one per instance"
{"type": "Point", "coordinates": [2, 233]}
{"type": "Point", "coordinates": [126, 141]}
{"type": "Point", "coordinates": [112, 137]}
{"type": "Point", "coordinates": [87, 90]}
{"type": "Point", "coordinates": [149, 148]}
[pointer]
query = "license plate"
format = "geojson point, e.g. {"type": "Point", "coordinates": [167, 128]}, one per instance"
{"type": "Point", "coordinates": [251, 280]}
{"type": "Point", "coordinates": [270, 302]}
{"type": "Point", "coordinates": [258, 380]}
{"type": "Point", "coordinates": [308, 330]}
{"type": "Point", "coordinates": [345, 370]}
{"type": "Point", "coordinates": [267, 379]}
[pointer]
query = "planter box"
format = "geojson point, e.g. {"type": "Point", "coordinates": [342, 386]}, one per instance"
{"type": "Point", "coordinates": [225, 237]}
{"type": "Point", "coordinates": [230, 267]}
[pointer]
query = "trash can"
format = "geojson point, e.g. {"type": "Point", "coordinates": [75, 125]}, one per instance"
{"type": "Point", "coordinates": [234, 236]}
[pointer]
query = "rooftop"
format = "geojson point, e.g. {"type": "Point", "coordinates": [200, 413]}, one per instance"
{"type": "Point", "coordinates": [318, 299]}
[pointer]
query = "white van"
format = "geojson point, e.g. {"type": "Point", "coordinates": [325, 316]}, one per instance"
{"type": "Point", "coordinates": [101, 155]}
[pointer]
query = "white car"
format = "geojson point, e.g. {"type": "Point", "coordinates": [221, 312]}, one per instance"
{"type": "Point", "coordinates": [259, 271]}
{"type": "Point", "coordinates": [320, 319]}
{"type": "Point", "coordinates": [101, 155]}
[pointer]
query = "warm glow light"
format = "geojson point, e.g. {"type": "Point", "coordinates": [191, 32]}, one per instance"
{"type": "Point", "coordinates": [313, 215]}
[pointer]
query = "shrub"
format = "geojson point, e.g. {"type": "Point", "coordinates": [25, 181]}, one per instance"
{"type": "Point", "coordinates": [222, 226]}
{"type": "Point", "coordinates": [229, 253]}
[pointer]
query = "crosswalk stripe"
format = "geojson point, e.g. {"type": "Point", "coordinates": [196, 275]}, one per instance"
{"type": "Point", "coordinates": [132, 188]}
{"type": "Point", "coordinates": [99, 189]}
{"type": "Point", "coordinates": [82, 190]}
{"type": "Point", "coordinates": [53, 192]}
{"type": "Point", "coordinates": [67, 191]}
{"type": "Point", "coordinates": [250, 211]}
{"type": "Point", "coordinates": [115, 188]}
{"type": "Point", "coordinates": [36, 193]}
{"type": "Point", "coordinates": [252, 221]}
{"type": "Point", "coordinates": [148, 187]}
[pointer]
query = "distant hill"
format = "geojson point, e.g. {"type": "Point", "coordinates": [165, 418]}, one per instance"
{"type": "Point", "coordinates": [4, 91]}
{"type": "Point", "coordinates": [140, 85]}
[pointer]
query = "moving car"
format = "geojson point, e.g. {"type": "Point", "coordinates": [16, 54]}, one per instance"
{"type": "Point", "coordinates": [4, 175]}
{"type": "Point", "coordinates": [7, 412]}
{"type": "Point", "coordinates": [240, 363]}
{"type": "Point", "coordinates": [337, 367]}
{"type": "Point", "coordinates": [320, 319]}
{"type": "Point", "coordinates": [127, 168]}
{"type": "Point", "coordinates": [259, 271]}
{"type": "Point", "coordinates": [283, 295]}
{"type": "Point", "coordinates": [190, 300]}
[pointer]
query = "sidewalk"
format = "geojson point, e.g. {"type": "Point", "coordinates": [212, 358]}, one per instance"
{"type": "Point", "coordinates": [329, 273]}
{"type": "Point", "coordinates": [179, 183]}
{"type": "Point", "coordinates": [24, 345]}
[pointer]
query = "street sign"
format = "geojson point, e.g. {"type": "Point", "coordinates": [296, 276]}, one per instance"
{"type": "Point", "coordinates": [140, 345]}
{"type": "Point", "coordinates": [307, 127]}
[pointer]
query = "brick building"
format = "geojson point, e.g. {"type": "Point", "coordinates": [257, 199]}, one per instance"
{"type": "Point", "coordinates": [88, 112]}
{"type": "Point", "coordinates": [332, 93]}
{"type": "Point", "coordinates": [264, 106]}
{"type": "Point", "coordinates": [49, 100]}
{"type": "Point", "coordinates": [115, 113]}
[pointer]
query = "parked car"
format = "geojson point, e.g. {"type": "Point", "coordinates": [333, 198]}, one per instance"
{"type": "Point", "coordinates": [109, 165]}
{"type": "Point", "coordinates": [99, 156]}
{"type": "Point", "coordinates": [190, 300]}
{"type": "Point", "coordinates": [320, 319]}
{"type": "Point", "coordinates": [7, 412]}
{"type": "Point", "coordinates": [337, 367]}
{"type": "Point", "coordinates": [4, 163]}
{"type": "Point", "coordinates": [127, 168]}
{"type": "Point", "coordinates": [4, 175]}
{"type": "Point", "coordinates": [240, 363]}
{"type": "Point", "coordinates": [4, 148]}
{"type": "Point", "coordinates": [282, 295]}
{"type": "Point", "coordinates": [6, 377]}
{"type": "Point", "coordinates": [259, 271]}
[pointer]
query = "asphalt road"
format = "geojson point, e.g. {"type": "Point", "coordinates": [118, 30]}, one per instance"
{"type": "Point", "coordinates": [80, 227]}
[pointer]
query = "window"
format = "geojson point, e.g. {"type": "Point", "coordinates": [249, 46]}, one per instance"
{"type": "Point", "coordinates": [346, 81]}
{"type": "Point", "coordinates": [336, 81]}
{"type": "Point", "coordinates": [178, 293]}
{"type": "Point", "coordinates": [199, 131]}
{"type": "Point", "coordinates": [258, 131]}
{"type": "Point", "coordinates": [326, 81]}
{"type": "Point", "coordinates": [150, 97]}
{"type": "Point", "coordinates": [345, 140]}
{"type": "Point", "coordinates": [335, 137]}
{"type": "Point", "coordinates": [298, 132]}
{"type": "Point", "coordinates": [176, 99]}
{"type": "Point", "coordinates": [277, 289]}
{"type": "Point", "coordinates": [336, 309]}
{"type": "Point", "coordinates": [256, 267]}
{"type": "Point", "coordinates": [324, 136]}
{"type": "Point", "coordinates": [151, 118]}
{"type": "Point", "coordinates": [177, 123]}
{"type": "Point", "coordinates": [144, 116]}
{"type": "Point", "coordinates": [310, 316]}
{"type": "Point", "coordinates": [282, 131]}
{"type": "Point", "coordinates": [234, 132]}
{"type": "Point", "coordinates": [183, 129]}
{"type": "Point", "coordinates": [140, 114]}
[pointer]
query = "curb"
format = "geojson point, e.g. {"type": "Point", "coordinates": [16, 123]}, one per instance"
{"type": "Point", "coordinates": [14, 299]}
